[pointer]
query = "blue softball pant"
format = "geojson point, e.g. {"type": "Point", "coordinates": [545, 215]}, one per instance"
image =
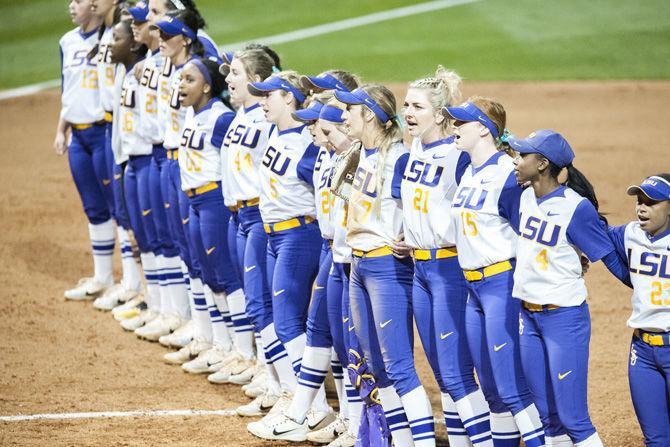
{"type": "Point", "coordinates": [292, 263]}
{"type": "Point", "coordinates": [439, 297]}
{"type": "Point", "coordinates": [318, 324]}
{"type": "Point", "coordinates": [555, 357]}
{"type": "Point", "coordinates": [649, 380]}
{"type": "Point", "coordinates": [340, 319]}
{"type": "Point", "coordinates": [88, 165]}
{"type": "Point", "coordinates": [252, 244]}
{"type": "Point", "coordinates": [138, 202]}
{"type": "Point", "coordinates": [492, 327]}
{"type": "Point", "coordinates": [380, 294]}
{"type": "Point", "coordinates": [208, 239]}
{"type": "Point", "coordinates": [159, 206]}
{"type": "Point", "coordinates": [233, 227]}
{"type": "Point", "coordinates": [115, 173]}
{"type": "Point", "coordinates": [177, 214]}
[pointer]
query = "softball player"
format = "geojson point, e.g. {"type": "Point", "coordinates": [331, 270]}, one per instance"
{"type": "Point", "coordinates": [288, 212]}
{"type": "Point", "coordinates": [82, 114]}
{"type": "Point", "coordinates": [244, 146]}
{"type": "Point", "coordinates": [645, 246]}
{"type": "Point", "coordinates": [483, 214]}
{"type": "Point", "coordinates": [439, 293]}
{"type": "Point", "coordinates": [380, 285]}
{"type": "Point", "coordinates": [557, 224]}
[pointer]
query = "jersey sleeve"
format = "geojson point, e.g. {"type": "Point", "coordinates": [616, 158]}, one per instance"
{"type": "Point", "coordinates": [587, 231]}
{"type": "Point", "coordinates": [461, 165]}
{"type": "Point", "coordinates": [509, 201]}
{"type": "Point", "coordinates": [618, 267]}
{"type": "Point", "coordinates": [398, 172]}
{"type": "Point", "coordinates": [221, 127]}
{"type": "Point", "coordinates": [211, 51]}
{"type": "Point", "coordinates": [616, 235]}
{"type": "Point", "coordinates": [305, 168]}
{"type": "Point", "coordinates": [62, 76]}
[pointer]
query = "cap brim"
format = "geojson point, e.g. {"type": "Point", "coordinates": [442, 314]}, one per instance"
{"type": "Point", "coordinates": [227, 57]}
{"type": "Point", "coordinates": [653, 195]}
{"type": "Point", "coordinates": [166, 28]}
{"type": "Point", "coordinates": [521, 146]}
{"type": "Point", "coordinates": [261, 88]}
{"type": "Point", "coordinates": [348, 97]}
{"type": "Point", "coordinates": [458, 113]}
{"type": "Point", "coordinates": [315, 83]}
{"type": "Point", "coordinates": [306, 115]}
{"type": "Point", "coordinates": [138, 14]}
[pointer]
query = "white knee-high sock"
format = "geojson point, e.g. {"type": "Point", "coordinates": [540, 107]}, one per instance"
{"type": "Point", "coordinates": [220, 334]}
{"type": "Point", "coordinates": [243, 330]}
{"type": "Point", "coordinates": [504, 430]}
{"type": "Point", "coordinates": [395, 416]}
{"type": "Point", "coordinates": [560, 441]}
{"type": "Point", "coordinates": [260, 353]}
{"type": "Point", "coordinates": [150, 268]}
{"type": "Point", "coordinates": [313, 372]}
{"type": "Point", "coordinates": [420, 417]}
{"type": "Point", "coordinates": [456, 433]}
{"type": "Point", "coordinates": [338, 378]}
{"type": "Point", "coordinates": [474, 410]}
{"type": "Point", "coordinates": [102, 245]}
{"type": "Point", "coordinates": [131, 279]}
{"type": "Point", "coordinates": [530, 426]}
{"type": "Point", "coordinates": [295, 349]}
{"type": "Point", "coordinates": [277, 359]}
{"type": "Point", "coordinates": [175, 286]}
{"type": "Point", "coordinates": [200, 311]}
{"type": "Point", "coordinates": [354, 406]}
{"type": "Point", "coordinates": [166, 305]}
{"type": "Point", "coordinates": [183, 306]}
{"type": "Point", "coordinates": [592, 441]}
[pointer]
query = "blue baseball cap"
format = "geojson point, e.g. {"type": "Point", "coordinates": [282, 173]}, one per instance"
{"type": "Point", "coordinates": [139, 12]}
{"type": "Point", "coordinates": [469, 112]}
{"type": "Point", "coordinates": [324, 82]}
{"type": "Point", "coordinates": [655, 187]}
{"type": "Point", "coordinates": [275, 83]}
{"type": "Point", "coordinates": [310, 113]}
{"type": "Point", "coordinates": [547, 143]}
{"type": "Point", "coordinates": [360, 96]}
{"type": "Point", "coordinates": [173, 27]}
{"type": "Point", "coordinates": [227, 56]}
{"type": "Point", "coordinates": [331, 114]}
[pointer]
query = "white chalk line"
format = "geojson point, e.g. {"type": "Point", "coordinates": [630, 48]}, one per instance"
{"type": "Point", "coordinates": [115, 414]}
{"type": "Point", "coordinates": [290, 36]}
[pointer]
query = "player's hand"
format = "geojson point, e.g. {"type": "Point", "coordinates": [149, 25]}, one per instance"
{"type": "Point", "coordinates": [59, 143]}
{"type": "Point", "coordinates": [585, 264]}
{"type": "Point", "coordinates": [400, 249]}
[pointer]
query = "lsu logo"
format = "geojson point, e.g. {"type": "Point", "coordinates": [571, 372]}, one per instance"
{"type": "Point", "coordinates": [128, 98]}
{"type": "Point", "coordinates": [325, 180]}
{"type": "Point", "coordinates": [149, 78]}
{"type": "Point", "coordinates": [363, 182]}
{"type": "Point", "coordinates": [471, 198]}
{"type": "Point", "coordinates": [422, 172]}
{"type": "Point", "coordinates": [244, 136]}
{"type": "Point", "coordinates": [272, 160]}
{"type": "Point", "coordinates": [649, 264]}
{"type": "Point", "coordinates": [193, 139]}
{"type": "Point", "coordinates": [174, 99]}
{"type": "Point", "coordinates": [541, 231]}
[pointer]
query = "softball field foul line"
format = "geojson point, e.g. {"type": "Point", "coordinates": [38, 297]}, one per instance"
{"type": "Point", "coordinates": [288, 36]}
{"type": "Point", "coordinates": [116, 414]}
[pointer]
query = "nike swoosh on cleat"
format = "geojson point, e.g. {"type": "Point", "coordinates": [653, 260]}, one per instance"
{"type": "Point", "coordinates": [383, 325]}
{"type": "Point", "coordinates": [443, 336]}
{"type": "Point", "coordinates": [563, 376]}
{"type": "Point", "coordinates": [266, 408]}
{"type": "Point", "coordinates": [248, 269]}
{"type": "Point", "coordinates": [498, 348]}
{"type": "Point", "coordinates": [279, 292]}
{"type": "Point", "coordinates": [312, 427]}
{"type": "Point", "coordinates": [279, 433]}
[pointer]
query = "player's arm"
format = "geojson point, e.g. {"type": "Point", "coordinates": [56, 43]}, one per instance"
{"type": "Point", "coordinates": [60, 142]}
{"type": "Point", "coordinates": [509, 202]}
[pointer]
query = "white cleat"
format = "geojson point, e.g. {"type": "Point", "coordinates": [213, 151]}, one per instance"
{"type": "Point", "coordinates": [317, 420]}
{"type": "Point", "coordinates": [221, 371]}
{"type": "Point", "coordinates": [180, 337]}
{"type": "Point", "coordinates": [259, 406]}
{"type": "Point", "coordinates": [114, 296]}
{"type": "Point", "coordinates": [205, 360]}
{"type": "Point", "coordinates": [242, 371]}
{"type": "Point", "coordinates": [188, 352]}
{"type": "Point", "coordinates": [330, 432]}
{"type": "Point", "coordinates": [163, 325]}
{"type": "Point", "coordinates": [257, 385]}
{"type": "Point", "coordinates": [143, 318]}
{"type": "Point", "coordinates": [129, 309]}
{"type": "Point", "coordinates": [346, 439]}
{"type": "Point", "coordinates": [86, 289]}
{"type": "Point", "coordinates": [279, 427]}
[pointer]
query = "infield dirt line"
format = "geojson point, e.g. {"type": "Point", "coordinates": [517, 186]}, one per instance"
{"type": "Point", "coordinates": [117, 414]}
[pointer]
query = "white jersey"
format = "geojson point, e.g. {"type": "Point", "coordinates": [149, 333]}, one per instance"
{"type": "Point", "coordinates": [201, 140]}
{"type": "Point", "coordinates": [148, 97]}
{"type": "Point", "coordinates": [286, 175]}
{"type": "Point", "coordinates": [133, 142]}
{"type": "Point", "coordinates": [649, 266]}
{"type": "Point", "coordinates": [323, 171]}
{"type": "Point", "coordinates": [341, 250]}
{"type": "Point", "coordinates": [484, 211]}
{"type": "Point", "coordinates": [80, 97]}
{"type": "Point", "coordinates": [244, 147]}
{"type": "Point", "coordinates": [375, 220]}
{"type": "Point", "coordinates": [106, 72]}
{"type": "Point", "coordinates": [554, 231]}
{"type": "Point", "coordinates": [119, 76]}
{"type": "Point", "coordinates": [175, 114]}
{"type": "Point", "coordinates": [428, 186]}
{"type": "Point", "coordinates": [164, 113]}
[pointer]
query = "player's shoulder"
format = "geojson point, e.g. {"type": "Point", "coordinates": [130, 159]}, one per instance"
{"type": "Point", "coordinates": [70, 37]}
{"type": "Point", "coordinates": [397, 149]}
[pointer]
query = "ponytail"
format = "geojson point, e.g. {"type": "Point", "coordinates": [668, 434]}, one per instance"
{"type": "Point", "coordinates": [580, 184]}
{"type": "Point", "coordinates": [117, 18]}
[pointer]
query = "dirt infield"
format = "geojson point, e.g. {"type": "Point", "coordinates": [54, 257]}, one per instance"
{"type": "Point", "coordinates": [61, 357]}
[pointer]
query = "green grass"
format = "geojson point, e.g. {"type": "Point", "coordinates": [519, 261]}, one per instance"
{"type": "Point", "coordinates": [488, 40]}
